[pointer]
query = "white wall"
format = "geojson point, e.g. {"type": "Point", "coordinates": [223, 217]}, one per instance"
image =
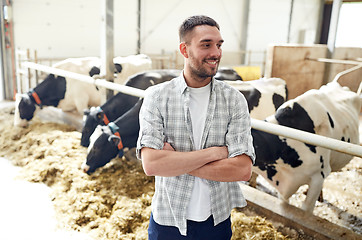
{"type": "Point", "coordinates": [161, 23]}
{"type": "Point", "coordinates": [68, 28]}
{"type": "Point", "coordinates": [349, 25]}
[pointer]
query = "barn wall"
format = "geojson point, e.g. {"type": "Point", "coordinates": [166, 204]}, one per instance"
{"type": "Point", "coordinates": [290, 62]}
{"type": "Point", "coordinates": [269, 23]}
{"type": "Point", "coordinates": [67, 28]}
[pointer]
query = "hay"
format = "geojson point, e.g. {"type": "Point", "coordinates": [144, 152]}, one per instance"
{"type": "Point", "coordinates": [112, 203]}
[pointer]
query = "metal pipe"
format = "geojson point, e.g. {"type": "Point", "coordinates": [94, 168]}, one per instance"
{"type": "Point", "coordinates": [290, 20]}
{"type": "Point", "coordinates": [299, 135]}
{"type": "Point", "coordinates": [332, 33]}
{"type": "Point", "coordinates": [244, 29]}
{"type": "Point", "coordinates": [340, 74]}
{"type": "Point", "coordinates": [139, 26]}
{"type": "Point", "coordinates": [107, 42]}
{"type": "Point", "coordinates": [329, 60]}
{"type": "Point", "coordinates": [2, 52]}
{"type": "Point", "coordinates": [310, 138]}
{"type": "Point", "coordinates": [84, 78]}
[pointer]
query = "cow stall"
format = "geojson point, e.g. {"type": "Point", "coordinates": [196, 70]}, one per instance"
{"type": "Point", "coordinates": [112, 203]}
{"type": "Point", "coordinates": [62, 169]}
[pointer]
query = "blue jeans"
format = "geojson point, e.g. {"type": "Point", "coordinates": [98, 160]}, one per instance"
{"type": "Point", "coordinates": [195, 230]}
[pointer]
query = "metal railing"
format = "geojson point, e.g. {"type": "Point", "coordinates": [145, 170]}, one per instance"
{"type": "Point", "coordinates": [310, 138]}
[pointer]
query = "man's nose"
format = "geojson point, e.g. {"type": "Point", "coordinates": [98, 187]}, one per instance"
{"type": "Point", "coordinates": [215, 51]}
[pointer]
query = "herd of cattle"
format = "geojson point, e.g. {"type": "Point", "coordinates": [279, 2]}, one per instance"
{"type": "Point", "coordinates": [331, 111]}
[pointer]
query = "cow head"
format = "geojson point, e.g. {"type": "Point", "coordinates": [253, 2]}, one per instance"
{"type": "Point", "coordinates": [91, 119]}
{"type": "Point", "coordinates": [24, 110]}
{"type": "Point", "coordinates": [104, 146]}
{"type": "Point", "coordinates": [224, 73]}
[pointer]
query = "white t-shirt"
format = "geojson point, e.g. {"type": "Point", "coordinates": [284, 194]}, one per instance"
{"type": "Point", "coordinates": [199, 208]}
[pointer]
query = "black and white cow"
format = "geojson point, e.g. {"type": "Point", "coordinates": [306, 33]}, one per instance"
{"type": "Point", "coordinates": [130, 65]}
{"type": "Point", "coordinates": [98, 158]}
{"type": "Point", "coordinates": [108, 141]}
{"type": "Point", "coordinates": [287, 164]}
{"type": "Point", "coordinates": [117, 105]}
{"type": "Point", "coordinates": [66, 94]}
{"type": "Point", "coordinates": [225, 73]}
{"type": "Point", "coordinates": [264, 95]}
{"type": "Point", "coordinates": [70, 94]}
{"type": "Point", "coordinates": [120, 103]}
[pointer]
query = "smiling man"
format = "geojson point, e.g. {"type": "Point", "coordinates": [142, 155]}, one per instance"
{"type": "Point", "coordinates": [195, 138]}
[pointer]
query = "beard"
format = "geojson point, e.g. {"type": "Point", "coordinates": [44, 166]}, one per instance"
{"type": "Point", "coordinates": [202, 71]}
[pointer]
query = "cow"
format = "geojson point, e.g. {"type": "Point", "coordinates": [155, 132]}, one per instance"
{"type": "Point", "coordinates": [117, 105]}
{"type": "Point", "coordinates": [108, 141]}
{"type": "Point", "coordinates": [331, 111]}
{"type": "Point", "coordinates": [131, 65]}
{"type": "Point", "coordinates": [225, 73]}
{"type": "Point", "coordinates": [264, 95]}
{"type": "Point", "coordinates": [98, 158]}
{"type": "Point", "coordinates": [70, 94]}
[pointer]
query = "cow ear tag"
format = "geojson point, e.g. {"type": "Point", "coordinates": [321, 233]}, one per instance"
{"type": "Point", "coordinates": [114, 139]}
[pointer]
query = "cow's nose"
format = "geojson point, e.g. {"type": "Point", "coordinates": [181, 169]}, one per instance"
{"type": "Point", "coordinates": [85, 167]}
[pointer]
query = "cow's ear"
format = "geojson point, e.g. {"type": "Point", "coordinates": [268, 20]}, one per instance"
{"type": "Point", "coordinates": [114, 139]}
{"type": "Point", "coordinates": [94, 71]}
{"type": "Point", "coordinates": [100, 116]}
{"type": "Point", "coordinates": [117, 68]}
{"type": "Point", "coordinates": [86, 112]}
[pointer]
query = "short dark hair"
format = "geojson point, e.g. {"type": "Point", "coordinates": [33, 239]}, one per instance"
{"type": "Point", "coordinates": [193, 21]}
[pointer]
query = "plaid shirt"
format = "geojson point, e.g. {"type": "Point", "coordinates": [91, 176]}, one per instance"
{"type": "Point", "coordinates": [165, 117]}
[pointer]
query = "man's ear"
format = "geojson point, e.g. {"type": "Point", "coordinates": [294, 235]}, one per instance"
{"type": "Point", "coordinates": [183, 50]}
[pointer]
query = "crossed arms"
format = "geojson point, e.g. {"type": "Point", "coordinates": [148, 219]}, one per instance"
{"type": "Point", "coordinates": [210, 163]}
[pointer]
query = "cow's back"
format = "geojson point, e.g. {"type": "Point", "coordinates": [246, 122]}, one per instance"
{"type": "Point", "coordinates": [264, 95]}
{"type": "Point", "coordinates": [131, 65]}
{"type": "Point", "coordinates": [343, 107]}
{"type": "Point", "coordinates": [334, 111]}
{"type": "Point", "coordinates": [79, 95]}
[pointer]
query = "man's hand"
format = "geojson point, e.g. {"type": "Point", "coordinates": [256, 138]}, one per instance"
{"type": "Point", "coordinates": [168, 147]}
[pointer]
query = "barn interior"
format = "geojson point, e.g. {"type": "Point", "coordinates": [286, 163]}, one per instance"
{"type": "Point", "coordinates": [46, 195]}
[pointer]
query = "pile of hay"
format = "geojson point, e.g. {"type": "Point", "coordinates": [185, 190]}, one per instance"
{"type": "Point", "coordinates": [112, 203]}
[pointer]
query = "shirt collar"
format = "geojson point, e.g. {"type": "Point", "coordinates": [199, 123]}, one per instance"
{"type": "Point", "coordinates": [182, 86]}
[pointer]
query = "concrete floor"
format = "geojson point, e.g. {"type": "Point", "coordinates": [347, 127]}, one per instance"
{"type": "Point", "coordinates": [26, 210]}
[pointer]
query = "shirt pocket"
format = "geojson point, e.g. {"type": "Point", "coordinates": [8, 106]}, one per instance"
{"type": "Point", "coordinates": [217, 133]}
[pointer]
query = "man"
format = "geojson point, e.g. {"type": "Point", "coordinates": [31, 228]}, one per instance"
{"type": "Point", "coordinates": [195, 138]}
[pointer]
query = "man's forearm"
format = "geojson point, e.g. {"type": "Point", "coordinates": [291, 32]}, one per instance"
{"type": "Point", "coordinates": [226, 170]}
{"type": "Point", "coordinates": [169, 163]}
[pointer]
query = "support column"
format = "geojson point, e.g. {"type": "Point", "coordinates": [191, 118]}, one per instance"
{"type": "Point", "coordinates": [336, 7]}
{"type": "Point", "coordinates": [2, 52]}
{"type": "Point", "coordinates": [139, 27]}
{"type": "Point", "coordinates": [244, 28]}
{"type": "Point", "coordinates": [290, 20]}
{"type": "Point", "coordinates": [107, 43]}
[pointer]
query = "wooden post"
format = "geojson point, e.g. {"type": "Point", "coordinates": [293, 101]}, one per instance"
{"type": "Point", "coordinates": [29, 72]}
{"type": "Point", "coordinates": [36, 71]}
{"type": "Point", "coordinates": [19, 74]}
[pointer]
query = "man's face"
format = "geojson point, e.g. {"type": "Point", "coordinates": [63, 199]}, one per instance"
{"type": "Point", "coordinates": [204, 51]}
